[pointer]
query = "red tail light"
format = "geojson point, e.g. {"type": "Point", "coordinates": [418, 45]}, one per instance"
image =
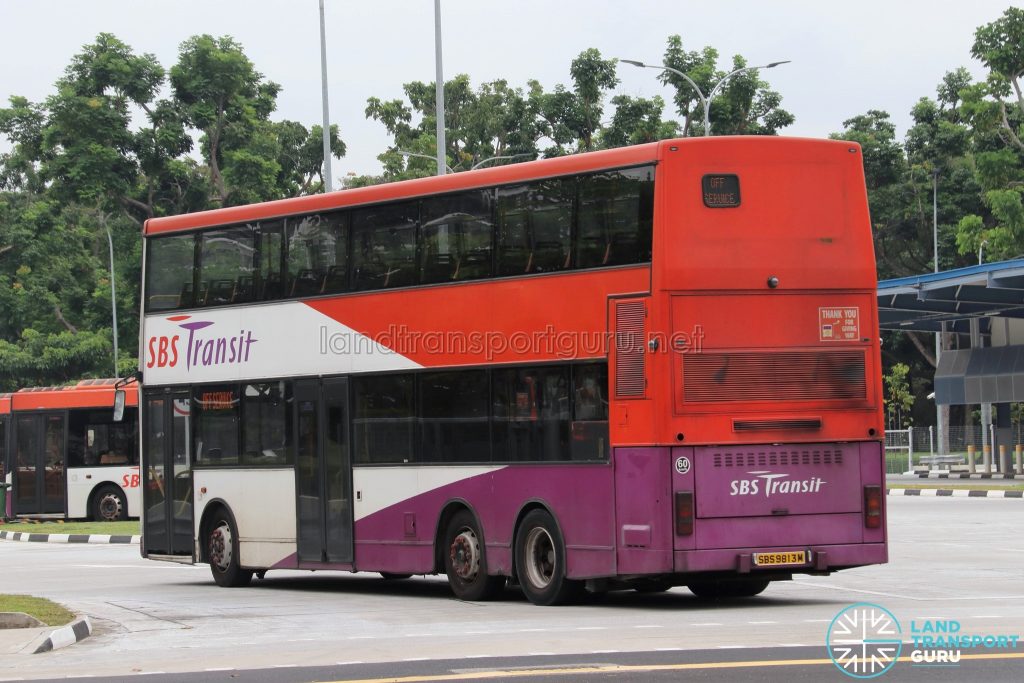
{"type": "Point", "coordinates": [873, 507]}
{"type": "Point", "coordinates": [684, 513]}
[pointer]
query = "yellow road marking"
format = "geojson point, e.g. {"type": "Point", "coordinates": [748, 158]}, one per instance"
{"type": "Point", "coordinates": [623, 668]}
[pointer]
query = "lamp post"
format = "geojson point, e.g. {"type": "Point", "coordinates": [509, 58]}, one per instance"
{"type": "Point", "coordinates": [981, 252]}
{"type": "Point", "coordinates": [940, 410]}
{"type": "Point", "coordinates": [502, 156]}
{"type": "Point", "coordinates": [327, 117]}
{"type": "Point", "coordinates": [439, 91]}
{"type": "Point", "coordinates": [425, 156]}
{"type": "Point", "coordinates": [113, 293]}
{"type": "Point", "coordinates": [705, 101]}
{"type": "Point", "coordinates": [473, 167]}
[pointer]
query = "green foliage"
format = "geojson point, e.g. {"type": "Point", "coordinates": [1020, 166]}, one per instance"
{"type": "Point", "coordinates": [898, 397]}
{"type": "Point", "coordinates": [78, 168]}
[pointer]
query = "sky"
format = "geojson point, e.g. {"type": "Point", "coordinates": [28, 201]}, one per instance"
{"type": "Point", "coordinates": [846, 57]}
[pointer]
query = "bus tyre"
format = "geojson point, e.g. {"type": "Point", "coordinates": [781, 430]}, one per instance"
{"type": "Point", "coordinates": [465, 561]}
{"type": "Point", "coordinates": [109, 505]}
{"type": "Point", "coordinates": [222, 552]}
{"type": "Point", "coordinates": [746, 588]}
{"type": "Point", "coordinates": [540, 561]}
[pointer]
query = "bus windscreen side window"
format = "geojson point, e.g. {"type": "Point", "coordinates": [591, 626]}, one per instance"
{"type": "Point", "coordinates": [271, 284]}
{"type": "Point", "coordinates": [215, 419]}
{"type": "Point", "coordinates": [535, 226]}
{"type": "Point", "coordinates": [318, 254]}
{"type": "Point", "coordinates": [267, 430]}
{"type": "Point", "coordinates": [227, 266]}
{"type": "Point", "coordinates": [94, 439]}
{"type": "Point", "coordinates": [383, 419]}
{"type": "Point", "coordinates": [615, 218]}
{"type": "Point", "coordinates": [454, 417]}
{"type": "Point", "coordinates": [384, 246]}
{"type": "Point", "coordinates": [455, 237]}
{"type": "Point", "coordinates": [3, 449]}
{"type": "Point", "coordinates": [589, 433]}
{"type": "Point", "coordinates": [531, 414]}
{"type": "Point", "coordinates": [169, 274]}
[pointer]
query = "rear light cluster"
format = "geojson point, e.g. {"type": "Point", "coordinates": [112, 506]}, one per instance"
{"type": "Point", "coordinates": [684, 513]}
{"type": "Point", "coordinates": [873, 506]}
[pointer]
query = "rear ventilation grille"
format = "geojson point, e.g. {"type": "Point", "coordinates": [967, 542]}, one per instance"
{"type": "Point", "coordinates": [789, 423]}
{"type": "Point", "coordinates": [630, 358]}
{"type": "Point", "coordinates": [805, 456]}
{"type": "Point", "coordinates": [774, 376]}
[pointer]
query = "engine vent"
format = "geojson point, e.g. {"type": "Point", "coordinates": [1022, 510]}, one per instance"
{"type": "Point", "coordinates": [630, 354]}
{"type": "Point", "coordinates": [785, 424]}
{"type": "Point", "coordinates": [779, 458]}
{"type": "Point", "coordinates": [774, 376]}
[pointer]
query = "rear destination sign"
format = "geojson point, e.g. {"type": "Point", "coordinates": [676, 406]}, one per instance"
{"type": "Point", "coordinates": [839, 324]}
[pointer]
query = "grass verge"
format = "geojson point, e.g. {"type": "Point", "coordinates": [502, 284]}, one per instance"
{"type": "Point", "coordinates": [46, 611]}
{"type": "Point", "coordinates": [127, 528]}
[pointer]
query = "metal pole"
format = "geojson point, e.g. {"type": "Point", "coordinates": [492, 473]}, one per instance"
{"type": "Point", "coordinates": [113, 292]}
{"type": "Point", "coordinates": [441, 156]}
{"type": "Point", "coordinates": [940, 421]}
{"type": "Point", "coordinates": [328, 177]}
{"type": "Point", "coordinates": [910, 449]}
{"type": "Point", "coordinates": [931, 440]}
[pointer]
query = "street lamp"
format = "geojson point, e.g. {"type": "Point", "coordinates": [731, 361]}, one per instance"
{"type": "Point", "coordinates": [424, 156]}
{"type": "Point", "coordinates": [113, 293]}
{"type": "Point", "coordinates": [981, 251]}
{"type": "Point", "coordinates": [328, 181]}
{"type": "Point", "coordinates": [503, 156]}
{"type": "Point", "coordinates": [705, 101]}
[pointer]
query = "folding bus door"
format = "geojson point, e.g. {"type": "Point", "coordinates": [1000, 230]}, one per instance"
{"type": "Point", "coordinates": [167, 471]}
{"type": "Point", "coordinates": [323, 472]}
{"type": "Point", "coordinates": [38, 464]}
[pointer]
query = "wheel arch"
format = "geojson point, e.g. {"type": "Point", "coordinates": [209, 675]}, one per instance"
{"type": "Point", "coordinates": [212, 508]}
{"type": "Point", "coordinates": [94, 495]}
{"type": "Point", "coordinates": [448, 511]}
{"type": "Point", "coordinates": [528, 507]}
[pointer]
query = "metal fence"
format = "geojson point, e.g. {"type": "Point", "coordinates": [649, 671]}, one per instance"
{"type": "Point", "coordinates": [917, 446]}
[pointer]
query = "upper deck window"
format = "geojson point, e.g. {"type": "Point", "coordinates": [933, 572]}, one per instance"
{"type": "Point", "coordinates": [588, 221]}
{"type": "Point", "coordinates": [170, 273]}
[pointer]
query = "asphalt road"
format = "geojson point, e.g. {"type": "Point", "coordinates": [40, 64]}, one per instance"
{"type": "Point", "coordinates": [960, 559]}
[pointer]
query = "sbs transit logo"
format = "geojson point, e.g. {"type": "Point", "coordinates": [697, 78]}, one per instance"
{"type": "Point", "coordinates": [197, 350]}
{"type": "Point", "coordinates": [864, 640]}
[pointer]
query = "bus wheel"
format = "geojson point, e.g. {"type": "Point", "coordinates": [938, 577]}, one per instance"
{"type": "Point", "coordinates": [109, 505]}
{"type": "Point", "coordinates": [540, 561]}
{"type": "Point", "coordinates": [746, 588]}
{"type": "Point", "coordinates": [222, 552]}
{"type": "Point", "coordinates": [465, 562]}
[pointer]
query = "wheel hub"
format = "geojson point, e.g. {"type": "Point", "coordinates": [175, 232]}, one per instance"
{"type": "Point", "coordinates": [110, 507]}
{"type": "Point", "coordinates": [220, 547]}
{"type": "Point", "coordinates": [465, 555]}
{"type": "Point", "coordinates": [540, 558]}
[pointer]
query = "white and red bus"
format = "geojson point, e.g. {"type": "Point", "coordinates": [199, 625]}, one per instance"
{"type": "Point", "coordinates": [63, 454]}
{"type": "Point", "coordinates": [641, 367]}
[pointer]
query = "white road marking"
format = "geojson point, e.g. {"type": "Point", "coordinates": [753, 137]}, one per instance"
{"type": "Point", "coordinates": [591, 628]}
{"type": "Point", "coordinates": [667, 649]}
{"type": "Point", "coordinates": [354, 661]}
{"type": "Point", "coordinates": [648, 626]}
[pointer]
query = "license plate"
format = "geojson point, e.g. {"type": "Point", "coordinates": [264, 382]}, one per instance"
{"type": "Point", "coordinates": [786, 559]}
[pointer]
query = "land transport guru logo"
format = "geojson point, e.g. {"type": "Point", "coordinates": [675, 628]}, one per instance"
{"type": "Point", "coordinates": [197, 348]}
{"type": "Point", "coordinates": [865, 641]}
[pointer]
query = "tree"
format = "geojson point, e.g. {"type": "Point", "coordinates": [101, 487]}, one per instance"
{"type": "Point", "coordinates": [1000, 152]}
{"type": "Point", "coordinates": [898, 398]}
{"type": "Point", "coordinates": [637, 120]}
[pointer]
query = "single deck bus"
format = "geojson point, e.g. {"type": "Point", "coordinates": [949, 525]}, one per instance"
{"type": "Point", "coordinates": [62, 453]}
{"type": "Point", "coordinates": [634, 368]}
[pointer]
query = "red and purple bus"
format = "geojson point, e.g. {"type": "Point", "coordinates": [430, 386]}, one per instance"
{"type": "Point", "coordinates": [635, 368]}
{"type": "Point", "coordinates": [63, 454]}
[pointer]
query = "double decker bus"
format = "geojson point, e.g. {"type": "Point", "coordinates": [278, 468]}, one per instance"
{"type": "Point", "coordinates": [63, 454]}
{"type": "Point", "coordinates": [636, 368]}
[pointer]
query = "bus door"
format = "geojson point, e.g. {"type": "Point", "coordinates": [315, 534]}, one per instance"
{"type": "Point", "coordinates": [167, 475]}
{"type": "Point", "coordinates": [38, 464]}
{"type": "Point", "coordinates": [323, 472]}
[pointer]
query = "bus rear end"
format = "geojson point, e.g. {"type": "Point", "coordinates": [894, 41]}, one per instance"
{"type": "Point", "coordinates": [761, 400]}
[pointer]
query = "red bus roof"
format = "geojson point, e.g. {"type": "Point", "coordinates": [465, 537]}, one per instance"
{"type": "Point", "coordinates": [90, 393]}
{"type": "Point", "coordinates": [487, 177]}
{"type": "Point", "coordinates": [5, 404]}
